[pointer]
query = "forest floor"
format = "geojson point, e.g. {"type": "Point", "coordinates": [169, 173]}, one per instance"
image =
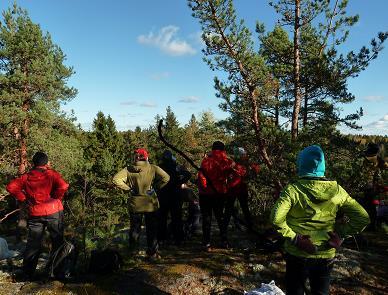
{"type": "Point", "coordinates": [189, 270]}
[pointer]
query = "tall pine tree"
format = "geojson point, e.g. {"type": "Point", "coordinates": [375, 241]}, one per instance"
{"type": "Point", "coordinates": [33, 81]}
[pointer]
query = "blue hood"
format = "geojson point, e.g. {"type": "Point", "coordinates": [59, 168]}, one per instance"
{"type": "Point", "coordinates": [311, 162]}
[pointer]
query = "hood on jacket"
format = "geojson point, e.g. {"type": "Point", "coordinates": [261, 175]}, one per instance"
{"type": "Point", "coordinates": [319, 190]}
{"type": "Point", "coordinates": [139, 166]}
{"type": "Point", "coordinates": [37, 174]}
{"type": "Point", "coordinates": [311, 162]}
{"type": "Point", "coordinates": [218, 154]}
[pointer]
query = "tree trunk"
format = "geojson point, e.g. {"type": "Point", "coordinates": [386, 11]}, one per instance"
{"type": "Point", "coordinates": [277, 106]}
{"type": "Point", "coordinates": [260, 141]}
{"type": "Point", "coordinates": [297, 90]}
{"type": "Point", "coordinates": [305, 110]}
{"type": "Point", "coordinates": [23, 162]}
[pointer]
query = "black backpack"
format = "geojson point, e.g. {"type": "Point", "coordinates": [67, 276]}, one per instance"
{"type": "Point", "coordinates": [105, 261]}
{"type": "Point", "coordinates": [62, 262]}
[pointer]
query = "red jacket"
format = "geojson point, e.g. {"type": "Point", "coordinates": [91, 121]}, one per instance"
{"type": "Point", "coordinates": [246, 170]}
{"type": "Point", "coordinates": [220, 169]}
{"type": "Point", "coordinates": [43, 188]}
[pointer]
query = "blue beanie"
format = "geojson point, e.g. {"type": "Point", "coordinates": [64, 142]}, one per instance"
{"type": "Point", "coordinates": [311, 162]}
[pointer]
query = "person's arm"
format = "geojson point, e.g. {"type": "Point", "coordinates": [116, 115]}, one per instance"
{"type": "Point", "coordinates": [279, 216]}
{"type": "Point", "coordinates": [358, 217]}
{"type": "Point", "coordinates": [16, 188]}
{"type": "Point", "coordinates": [202, 180]}
{"type": "Point", "coordinates": [237, 174]}
{"type": "Point", "coordinates": [121, 178]}
{"type": "Point", "coordinates": [60, 186]}
{"type": "Point", "coordinates": [161, 177]}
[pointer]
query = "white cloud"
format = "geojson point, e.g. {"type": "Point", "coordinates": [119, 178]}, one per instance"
{"type": "Point", "coordinates": [160, 76]}
{"type": "Point", "coordinates": [148, 105]}
{"type": "Point", "coordinates": [189, 99]}
{"type": "Point", "coordinates": [374, 98]}
{"type": "Point", "coordinates": [167, 41]}
{"type": "Point", "coordinates": [128, 103]}
{"type": "Point", "coordinates": [377, 127]}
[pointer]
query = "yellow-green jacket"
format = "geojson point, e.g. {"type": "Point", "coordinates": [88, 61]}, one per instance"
{"type": "Point", "coordinates": [309, 207]}
{"type": "Point", "coordinates": [141, 177]}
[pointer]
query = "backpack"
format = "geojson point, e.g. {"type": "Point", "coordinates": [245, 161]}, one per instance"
{"type": "Point", "coordinates": [105, 261]}
{"type": "Point", "coordinates": [61, 264]}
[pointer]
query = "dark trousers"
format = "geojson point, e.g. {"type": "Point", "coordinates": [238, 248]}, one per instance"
{"type": "Point", "coordinates": [36, 227]}
{"type": "Point", "coordinates": [228, 210]}
{"type": "Point", "coordinates": [151, 223]}
{"type": "Point", "coordinates": [170, 202]}
{"type": "Point", "coordinates": [193, 216]}
{"type": "Point", "coordinates": [210, 204]}
{"type": "Point", "coordinates": [298, 269]}
{"type": "Point", "coordinates": [243, 201]}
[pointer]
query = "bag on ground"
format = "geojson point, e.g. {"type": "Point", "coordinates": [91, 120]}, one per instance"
{"type": "Point", "coordinates": [5, 253]}
{"type": "Point", "coordinates": [266, 289]}
{"type": "Point", "coordinates": [61, 264]}
{"type": "Point", "coordinates": [105, 261]}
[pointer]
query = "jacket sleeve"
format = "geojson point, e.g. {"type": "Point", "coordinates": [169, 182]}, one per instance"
{"type": "Point", "coordinates": [60, 186]}
{"type": "Point", "coordinates": [238, 172]}
{"type": "Point", "coordinates": [279, 215]}
{"type": "Point", "coordinates": [16, 188]}
{"type": "Point", "coordinates": [358, 217]}
{"type": "Point", "coordinates": [161, 177]}
{"type": "Point", "coordinates": [120, 179]}
{"type": "Point", "coordinates": [202, 181]}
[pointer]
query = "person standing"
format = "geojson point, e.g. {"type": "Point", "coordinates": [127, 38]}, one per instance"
{"type": "Point", "coordinates": [240, 190]}
{"type": "Point", "coordinates": [141, 179]}
{"type": "Point", "coordinates": [215, 178]}
{"type": "Point", "coordinates": [41, 190]}
{"type": "Point", "coordinates": [305, 215]}
{"type": "Point", "coordinates": [170, 198]}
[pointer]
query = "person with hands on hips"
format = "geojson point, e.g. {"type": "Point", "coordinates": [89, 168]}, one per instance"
{"type": "Point", "coordinates": [305, 215]}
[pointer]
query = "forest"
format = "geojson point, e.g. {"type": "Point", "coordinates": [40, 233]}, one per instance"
{"type": "Point", "coordinates": [282, 90]}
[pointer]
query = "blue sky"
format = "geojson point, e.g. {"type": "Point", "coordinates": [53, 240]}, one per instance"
{"type": "Point", "coordinates": [134, 58]}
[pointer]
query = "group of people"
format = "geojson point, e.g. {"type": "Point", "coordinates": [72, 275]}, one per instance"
{"type": "Point", "coordinates": [305, 213]}
{"type": "Point", "coordinates": [220, 181]}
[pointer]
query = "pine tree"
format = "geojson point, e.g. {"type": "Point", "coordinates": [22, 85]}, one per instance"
{"type": "Point", "coordinates": [320, 73]}
{"type": "Point", "coordinates": [230, 48]}
{"type": "Point", "coordinates": [33, 80]}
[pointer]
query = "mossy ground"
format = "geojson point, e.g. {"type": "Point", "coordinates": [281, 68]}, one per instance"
{"type": "Point", "coordinates": [189, 270]}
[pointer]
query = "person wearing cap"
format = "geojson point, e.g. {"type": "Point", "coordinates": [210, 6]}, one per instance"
{"type": "Point", "coordinates": [240, 190]}
{"type": "Point", "coordinates": [141, 178]}
{"type": "Point", "coordinates": [305, 215]}
{"type": "Point", "coordinates": [170, 198]}
{"type": "Point", "coordinates": [41, 190]}
{"type": "Point", "coordinates": [215, 178]}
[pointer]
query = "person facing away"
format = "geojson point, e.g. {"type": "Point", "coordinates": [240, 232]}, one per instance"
{"type": "Point", "coordinates": [137, 179]}
{"type": "Point", "coordinates": [215, 178]}
{"type": "Point", "coordinates": [170, 198]}
{"type": "Point", "coordinates": [240, 190]}
{"type": "Point", "coordinates": [42, 190]}
{"type": "Point", "coordinates": [305, 215]}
